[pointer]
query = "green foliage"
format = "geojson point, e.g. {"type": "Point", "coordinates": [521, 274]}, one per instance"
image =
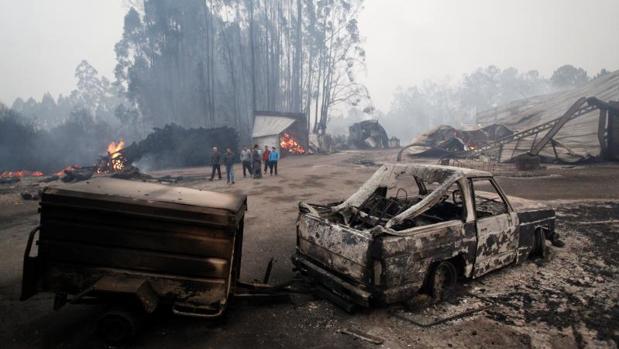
{"type": "Point", "coordinates": [568, 76]}
{"type": "Point", "coordinates": [79, 140]}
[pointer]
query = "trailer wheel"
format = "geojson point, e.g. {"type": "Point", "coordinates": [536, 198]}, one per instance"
{"type": "Point", "coordinates": [442, 280]}
{"type": "Point", "coordinates": [118, 325]}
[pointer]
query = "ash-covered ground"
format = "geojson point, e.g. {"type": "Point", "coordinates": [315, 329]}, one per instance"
{"type": "Point", "coordinates": [569, 300]}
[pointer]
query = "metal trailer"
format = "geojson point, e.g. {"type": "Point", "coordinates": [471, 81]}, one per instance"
{"type": "Point", "coordinates": [136, 244]}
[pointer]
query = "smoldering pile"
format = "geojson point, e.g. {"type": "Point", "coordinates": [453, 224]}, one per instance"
{"type": "Point", "coordinates": [174, 146]}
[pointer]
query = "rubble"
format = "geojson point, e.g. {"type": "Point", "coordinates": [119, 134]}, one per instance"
{"type": "Point", "coordinates": [9, 180]}
{"type": "Point", "coordinates": [36, 195]}
{"type": "Point", "coordinates": [362, 335]}
{"type": "Point", "coordinates": [368, 134]}
{"type": "Point", "coordinates": [77, 174]}
{"type": "Point", "coordinates": [446, 140]}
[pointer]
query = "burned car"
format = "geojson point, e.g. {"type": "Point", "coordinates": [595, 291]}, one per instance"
{"type": "Point", "coordinates": [413, 229]}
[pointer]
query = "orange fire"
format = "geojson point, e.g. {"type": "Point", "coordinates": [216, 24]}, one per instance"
{"type": "Point", "coordinates": [67, 169]}
{"type": "Point", "coordinates": [117, 162]}
{"type": "Point", "coordinates": [288, 143]}
{"type": "Point", "coordinates": [22, 173]}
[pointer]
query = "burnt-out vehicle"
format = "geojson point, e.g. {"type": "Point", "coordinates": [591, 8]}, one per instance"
{"type": "Point", "coordinates": [415, 229]}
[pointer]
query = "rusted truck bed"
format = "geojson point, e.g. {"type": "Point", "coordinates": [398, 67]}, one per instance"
{"type": "Point", "coordinates": [165, 244]}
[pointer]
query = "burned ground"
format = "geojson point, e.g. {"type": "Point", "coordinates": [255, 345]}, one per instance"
{"type": "Point", "coordinates": [568, 301]}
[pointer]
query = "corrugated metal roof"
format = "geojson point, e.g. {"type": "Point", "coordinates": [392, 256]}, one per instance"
{"type": "Point", "coordinates": [270, 125]}
{"type": "Point", "coordinates": [579, 135]}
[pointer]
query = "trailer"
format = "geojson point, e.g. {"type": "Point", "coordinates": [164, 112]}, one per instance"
{"type": "Point", "coordinates": [136, 246]}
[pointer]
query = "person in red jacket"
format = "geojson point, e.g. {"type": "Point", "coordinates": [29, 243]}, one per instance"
{"type": "Point", "coordinates": [265, 158]}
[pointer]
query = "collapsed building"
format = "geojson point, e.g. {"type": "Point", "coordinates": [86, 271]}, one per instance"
{"type": "Point", "coordinates": [444, 140]}
{"type": "Point", "coordinates": [368, 134]}
{"type": "Point", "coordinates": [567, 126]}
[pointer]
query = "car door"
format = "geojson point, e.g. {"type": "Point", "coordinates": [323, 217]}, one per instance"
{"type": "Point", "coordinates": [496, 224]}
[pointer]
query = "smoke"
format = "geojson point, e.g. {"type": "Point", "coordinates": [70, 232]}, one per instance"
{"type": "Point", "coordinates": [79, 140]}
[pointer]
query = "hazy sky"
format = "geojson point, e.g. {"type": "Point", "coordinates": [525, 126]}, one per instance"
{"type": "Point", "coordinates": [407, 41]}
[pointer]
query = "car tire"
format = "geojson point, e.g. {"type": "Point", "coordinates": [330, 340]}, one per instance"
{"type": "Point", "coordinates": [119, 325]}
{"type": "Point", "coordinates": [539, 244]}
{"type": "Point", "coordinates": [442, 280]}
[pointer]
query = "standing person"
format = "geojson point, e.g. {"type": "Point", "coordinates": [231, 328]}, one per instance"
{"type": "Point", "coordinates": [216, 163]}
{"type": "Point", "coordinates": [256, 162]}
{"type": "Point", "coordinates": [246, 161]}
{"type": "Point", "coordinates": [229, 162]}
{"type": "Point", "coordinates": [265, 158]}
{"type": "Point", "coordinates": [273, 159]}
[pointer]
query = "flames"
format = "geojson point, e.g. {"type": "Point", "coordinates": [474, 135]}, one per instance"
{"type": "Point", "coordinates": [290, 144]}
{"type": "Point", "coordinates": [21, 173]}
{"type": "Point", "coordinates": [115, 160]}
{"type": "Point", "coordinates": [67, 169]}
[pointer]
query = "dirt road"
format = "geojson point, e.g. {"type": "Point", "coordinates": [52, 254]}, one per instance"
{"type": "Point", "coordinates": [568, 301]}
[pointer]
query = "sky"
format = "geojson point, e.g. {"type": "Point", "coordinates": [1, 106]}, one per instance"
{"type": "Point", "coordinates": [407, 41]}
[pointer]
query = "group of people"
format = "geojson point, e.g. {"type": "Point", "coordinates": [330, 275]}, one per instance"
{"type": "Point", "coordinates": [251, 159]}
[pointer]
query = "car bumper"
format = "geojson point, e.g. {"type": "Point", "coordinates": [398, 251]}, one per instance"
{"type": "Point", "coordinates": [336, 285]}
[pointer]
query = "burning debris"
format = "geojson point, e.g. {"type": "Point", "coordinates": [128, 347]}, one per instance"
{"type": "Point", "coordinates": [115, 160]}
{"type": "Point", "coordinates": [22, 173]}
{"type": "Point", "coordinates": [288, 130]}
{"type": "Point", "coordinates": [289, 144]}
{"type": "Point", "coordinates": [445, 140]}
{"type": "Point", "coordinates": [174, 146]}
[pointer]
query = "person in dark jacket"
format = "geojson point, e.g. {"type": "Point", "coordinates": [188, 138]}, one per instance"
{"type": "Point", "coordinates": [216, 163]}
{"type": "Point", "coordinates": [265, 158]}
{"type": "Point", "coordinates": [273, 159]}
{"type": "Point", "coordinates": [256, 157]}
{"type": "Point", "coordinates": [229, 162]}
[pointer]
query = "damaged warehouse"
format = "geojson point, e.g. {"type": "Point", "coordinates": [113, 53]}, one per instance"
{"type": "Point", "coordinates": [562, 127]}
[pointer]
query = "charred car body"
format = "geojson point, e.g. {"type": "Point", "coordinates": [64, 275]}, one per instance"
{"type": "Point", "coordinates": [414, 228]}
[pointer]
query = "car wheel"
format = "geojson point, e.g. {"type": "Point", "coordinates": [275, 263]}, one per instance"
{"type": "Point", "coordinates": [539, 244]}
{"type": "Point", "coordinates": [119, 325]}
{"type": "Point", "coordinates": [443, 280]}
